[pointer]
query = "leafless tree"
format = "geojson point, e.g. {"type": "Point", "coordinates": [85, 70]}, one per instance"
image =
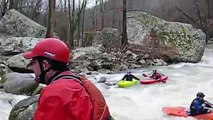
{"type": "Point", "coordinates": [202, 20]}
{"type": "Point", "coordinates": [94, 16]}
{"type": "Point", "coordinates": [11, 4]}
{"type": "Point", "coordinates": [75, 20]}
{"type": "Point", "coordinates": [82, 27]}
{"type": "Point", "coordinates": [124, 40]}
{"type": "Point", "coordinates": [51, 21]}
{"type": "Point", "coordinates": [102, 10]}
{"type": "Point", "coordinates": [4, 7]}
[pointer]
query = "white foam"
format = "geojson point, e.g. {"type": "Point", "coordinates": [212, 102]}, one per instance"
{"type": "Point", "coordinates": [144, 102]}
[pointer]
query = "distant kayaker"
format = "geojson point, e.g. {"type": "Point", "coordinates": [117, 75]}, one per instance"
{"type": "Point", "coordinates": [199, 105]}
{"type": "Point", "coordinates": [129, 77]}
{"type": "Point", "coordinates": [155, 75]}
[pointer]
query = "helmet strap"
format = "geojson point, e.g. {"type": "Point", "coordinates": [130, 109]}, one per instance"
{"type": "Point", "coordinates": [43, 72]}
{"type": "Point", "coordinates": [52, 77]}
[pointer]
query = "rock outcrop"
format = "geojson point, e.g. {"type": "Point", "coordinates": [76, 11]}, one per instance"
{"type": "Point", "coordinates": [187, 40]}
{"type": "Point", "coordinates": [16, 24]}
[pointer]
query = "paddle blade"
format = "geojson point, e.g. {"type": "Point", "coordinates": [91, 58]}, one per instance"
{"type": "Point", "coordinates": [145, 75]}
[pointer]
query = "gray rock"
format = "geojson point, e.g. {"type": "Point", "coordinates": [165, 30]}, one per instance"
{"type": "Point", "coordinates": [18, 61]}
{"type": "Point", "coordinates": [188, 41]}
{"type": "Point", "coordinates": [109, 37]}
{"type": "Point", "coordinates": [18, 83]}
{"type": "Point", "coordinates": [3, 68]}
{"type": "Point", "coordinates": [159, 62]}
{"type": "Point", "coordinates": [14, 23]}
{"type": "Point", "coordinates": [24, 110]}
{"type": "Point", "coordinates": [102, 80]}
{"type": "Point", "coordinates": [17, 43]}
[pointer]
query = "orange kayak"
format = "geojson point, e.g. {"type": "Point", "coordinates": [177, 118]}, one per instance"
{"type": "Point", "coordinates": [182, 112]}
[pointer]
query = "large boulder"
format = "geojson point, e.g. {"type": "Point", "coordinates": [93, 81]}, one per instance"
{"type": "Point", "coordinates": [3, 68]}
{"type": "Point", "coordinates": [18, 62]}
{"type": "Point", "coordinates": [24, 110]}
{"type": "Point", "coordinates": [16, 45]}
{"type": "Point", "coordinates": [11, 54]}
{"type": "Point", "coordinates": [18, 83]}
{"type": "Point", "coordinates": [187, 40]}
{"type": "Point", "coordinates": [109, 37]}
{"type": "Point", "coordinates": [16, 24]}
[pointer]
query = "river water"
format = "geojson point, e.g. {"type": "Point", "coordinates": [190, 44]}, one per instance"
{"type": "Point", "coordinates": [144, 102]}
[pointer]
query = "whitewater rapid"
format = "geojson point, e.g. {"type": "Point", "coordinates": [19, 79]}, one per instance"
{"type": "Point", "coordinates": [144, 102]}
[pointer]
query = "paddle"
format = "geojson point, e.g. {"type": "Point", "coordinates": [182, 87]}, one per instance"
{"type": "Point", "coordinates": [159, 79]}
{"type": "Point", "coordinates": [208, 108]}
{"type": "Point", "coordinates": [145, 75]}
{"type": "Point", "coordinates": [210, 104]}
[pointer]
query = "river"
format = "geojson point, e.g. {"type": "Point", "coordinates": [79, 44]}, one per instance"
{"type": "Point", "coordinates": [144, 102]}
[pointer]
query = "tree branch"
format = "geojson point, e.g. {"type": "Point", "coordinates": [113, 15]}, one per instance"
{"type": "Point", "coordinates": [190, 18]}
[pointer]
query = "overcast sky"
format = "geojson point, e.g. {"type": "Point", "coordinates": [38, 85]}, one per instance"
{"type": "Point", "coordinates": [92, 3]}
{"type": "Point", "coordinates": [89, 4]}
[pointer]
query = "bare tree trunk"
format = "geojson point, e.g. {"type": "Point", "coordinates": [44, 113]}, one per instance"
{"type": "Point", "coordinates": [96, 20]}
{"type": "Point", "coordinates": [4, 7]}
{"type": "Point", "coordinates": [79, 23]}
{"type": "Point", "coordinates": [20, 5]}
{"type": "Point", "coordinates": [61, 3]}
{"type": "Point", "coordinates": [93, 17]}
{"type": "Point", "coordinates": [113, 14]}
{"type": "Point", "coordinates": [124, 40]}
{"type": "Point", "coordinates": [120, 22]}
{"type": "Point", "coordinates": [70, 43]}
{"type": "Point", "coordinates": [83, 17]}
{"type": "Point", "coordinates": [11, 4]}
{"type": "Point", "coordinates": [65, 6]}
{"type": "Point", "coordinates": [72, 29]}
{"type": "Point", "coordinates": [208, 9]}
{"type": "Point", "coordinates": [200, 20]}
{"type": "Point", "coordinates": [67, 20]}
{"type": "Point", "coordinates": [36, 11]}
{"type": "Point", "coordinates": [102, 13]}
{"type": "Point", "coordinates": [75, 20]}
{"type": "Point", "coordinates": [51, 21]}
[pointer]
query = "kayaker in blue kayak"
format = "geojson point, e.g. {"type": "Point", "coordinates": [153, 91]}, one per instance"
{"type": "Point", "coordinates": [155, 75]}
{"type": "Point", "coordinates": [199, 105]}
{"type": "Point", "coordinates": [129, 77]}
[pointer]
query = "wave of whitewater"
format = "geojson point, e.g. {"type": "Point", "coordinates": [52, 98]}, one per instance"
{"type": "Point", "coordinates": [144, 102]}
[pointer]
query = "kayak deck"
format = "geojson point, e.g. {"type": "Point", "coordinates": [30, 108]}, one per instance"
{"type": "Point", "coordinates": [182, 112]}
{"type": "Point", "coordinates": [123, 83]}
{"type": "Point", "coordinates": [163, 79]}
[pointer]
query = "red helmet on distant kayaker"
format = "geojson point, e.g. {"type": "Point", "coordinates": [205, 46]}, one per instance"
{"type": "Point", "coordinates": [200, 95]}
{"type": "Point", "coordinates": [155, 71]}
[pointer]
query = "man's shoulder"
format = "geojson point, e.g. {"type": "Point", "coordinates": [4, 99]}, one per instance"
{"type": "Point", "coordinates": [64, 83]}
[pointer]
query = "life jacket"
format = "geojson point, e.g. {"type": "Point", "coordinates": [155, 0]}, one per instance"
{"type": "Point", "coordinates": [193, 110]}
{"type": "Point", "coordinates": [155, 76]}
{"type": "Point", "coordinates": [100, 108]}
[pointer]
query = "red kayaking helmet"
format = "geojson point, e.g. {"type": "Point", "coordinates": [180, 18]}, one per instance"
{"type": "Point", "coordinates": [51, 48]}
{"type": "Point", "coordinates": [200, 95]}
{"type": "Point", "coordinates": [155, 71]}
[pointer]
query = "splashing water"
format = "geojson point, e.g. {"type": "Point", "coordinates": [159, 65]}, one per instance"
{"type": "Point", "coordinates": [144, 102]}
